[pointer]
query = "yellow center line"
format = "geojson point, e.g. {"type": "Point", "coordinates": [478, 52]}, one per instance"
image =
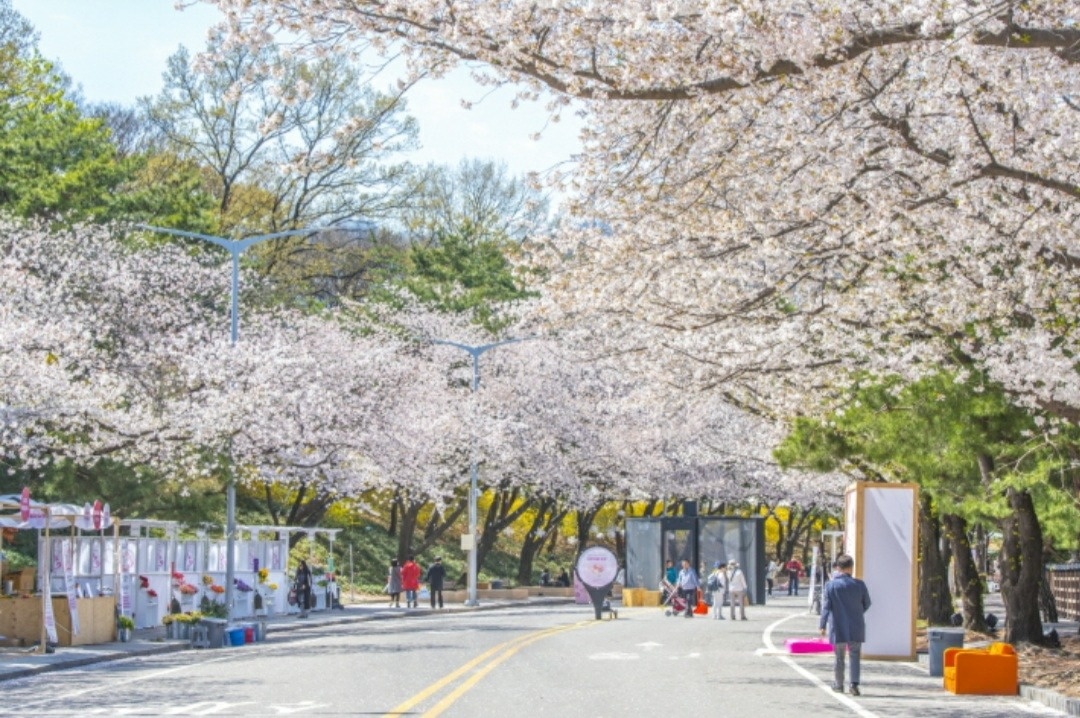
{"type": "Point", "coordinates": [511, 647]}
{"type": "Point", "coordinates": [475, 678]}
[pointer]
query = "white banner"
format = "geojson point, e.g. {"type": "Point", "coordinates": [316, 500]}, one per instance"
{"type": "Point", "coordinates": [125, 595]}
{"type": "Point", "coordinates": [50, 619]}
{"type": "Point", "coordinates": [70, 586]}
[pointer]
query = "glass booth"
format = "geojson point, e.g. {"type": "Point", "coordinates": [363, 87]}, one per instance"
{"type": "Point", "coordinates": [702, 540]}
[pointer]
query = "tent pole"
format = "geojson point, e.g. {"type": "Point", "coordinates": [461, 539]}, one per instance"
{"type": "Point", "coordinates": [46, 582]}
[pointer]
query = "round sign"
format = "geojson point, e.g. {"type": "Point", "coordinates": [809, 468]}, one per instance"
{"type": "Point", "coordinates": [24, 503]}
{"type": "Point", "coordinates": [597, 567]}
{"type": "Point", "coordinates": [97, 515]}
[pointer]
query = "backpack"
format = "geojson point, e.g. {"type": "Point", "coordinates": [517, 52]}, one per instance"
{"type": "Point", "coordinates": [713, 582]}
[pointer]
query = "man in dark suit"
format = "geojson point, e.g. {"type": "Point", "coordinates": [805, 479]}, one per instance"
{"type": "Point", "coordinates": [842, 613]}
{"type": "Point", "coordinates": [436, 574]}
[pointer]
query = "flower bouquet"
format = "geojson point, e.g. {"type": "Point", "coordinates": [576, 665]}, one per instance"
{"type": "Point", "coordinates": [217, 589]}
{"type": "Point", "coordinates": [207, 580]}
{"type": "Point", "coordinates": [264, 573]}
{"type": "Point", "coordinates": [188, 589]}
{"type": "Point", "coordinates": [242, 586]}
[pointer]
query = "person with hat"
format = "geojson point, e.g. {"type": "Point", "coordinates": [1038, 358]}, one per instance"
{"type": "Point", "coordinates": [717, 585]}
{"type": "Point", "coordinates": [436, 575]}
{"type": "Point", "coordinates": [737, 589]}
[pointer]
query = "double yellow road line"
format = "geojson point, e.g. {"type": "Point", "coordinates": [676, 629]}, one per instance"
{"type": "Point", "coordinates": [483, 664]}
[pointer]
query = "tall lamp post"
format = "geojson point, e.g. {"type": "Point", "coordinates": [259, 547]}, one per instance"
{"type": "Point", "coordinates": [235, 249]}
{"type": "Point", "coordinates": [474, 351]}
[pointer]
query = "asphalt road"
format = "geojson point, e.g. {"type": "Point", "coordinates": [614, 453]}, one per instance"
{"type": "Point", "coordinates": [512, 662]}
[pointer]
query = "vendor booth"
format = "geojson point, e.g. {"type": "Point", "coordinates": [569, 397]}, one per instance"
{"type": "Point", "coordinates": [75, 600]}
{"type": "Point", "coordinates": [92, 567]}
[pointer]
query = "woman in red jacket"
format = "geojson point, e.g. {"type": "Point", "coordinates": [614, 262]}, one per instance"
{"type": "Point", "coordinates": [410, 581]}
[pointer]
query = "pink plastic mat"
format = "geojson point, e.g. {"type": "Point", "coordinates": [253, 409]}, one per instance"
{"type": "Point", "coordinates": [808, 645]}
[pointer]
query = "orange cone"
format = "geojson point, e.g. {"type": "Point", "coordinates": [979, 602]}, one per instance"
{"type": "Point", "coordinates": [701, 609]}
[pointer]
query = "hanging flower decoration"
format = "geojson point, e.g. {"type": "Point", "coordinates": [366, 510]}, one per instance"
{"type": "Point", "coordinates": [144, 582]}
{"type": "Point", "coordinates": [151, 593]}
{"type": "Point", "coordinates": [178, 577]}
{"type": "Point", "coordinates": [188, 589]}
{"type": "Point", "coordinates": [264, 573]}
{"type": "Point", "coordinates": [217, 589]}
{"type": "Point", "coordinates": [272, 586]}
{"type": "Point", "coordinates": [207, 580]}
{"type": "Point", "coordinates": [241, 585]}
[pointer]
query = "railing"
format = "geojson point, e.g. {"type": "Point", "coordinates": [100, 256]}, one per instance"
{"type": "Point", "coordinates": [1064, 579]}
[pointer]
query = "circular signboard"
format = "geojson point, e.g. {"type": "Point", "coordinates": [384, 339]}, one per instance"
{"type": "Point", "coordinates": [597, 567]}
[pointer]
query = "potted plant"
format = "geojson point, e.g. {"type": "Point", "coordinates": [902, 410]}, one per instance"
{"type": "Point", "coordinates": [124, 626]}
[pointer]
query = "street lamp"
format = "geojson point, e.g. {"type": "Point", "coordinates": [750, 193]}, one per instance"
{"type": "Point", "coordinates": [474, 352]}
{"type": "Point", "coordinates": [235, 249]}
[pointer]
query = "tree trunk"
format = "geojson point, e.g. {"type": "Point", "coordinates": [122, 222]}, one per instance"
{"type": "Point", "coordinates": [1021, 569]}
{"type": "Point", "coordinates": [439, 524]}
{"type": "Point", "coordinates": [585, 519]}
{"type": "Point", "coordinates": [501, 514]}
{"type": "Point", "coordinates": [408, 513]}
{"type": "Point", "coordinates": [798, 524]}
{"type": "Point", "coordinates": [967, 573]}
{"type": "Point", "coordinates": [546, 516]}
{"type": "Point", "coordinates": [935, 600]}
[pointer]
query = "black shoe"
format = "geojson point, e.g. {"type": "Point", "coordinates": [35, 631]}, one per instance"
{"type": "Point", "coordinates": [837, 688]}
{"type": "Point", "coordinates": [855, 689]}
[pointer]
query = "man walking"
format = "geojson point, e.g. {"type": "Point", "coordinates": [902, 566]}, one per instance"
{"type": "Point", "coordinates": [842, 612]}
{"type": "Point", "coordinates": [688, 585]}
{"type": "Point", "coordinates": [436, 574]}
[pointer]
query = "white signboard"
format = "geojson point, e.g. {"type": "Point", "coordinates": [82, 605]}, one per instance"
{"type": "Point", "coordinates": [886, 538]}
{"type": "Point", "coordinates": [597, 567]}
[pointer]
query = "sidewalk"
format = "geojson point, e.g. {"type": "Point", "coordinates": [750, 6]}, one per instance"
{"type": "Point", "coordinates": [23, 662]}
{"type": "Point", "coordinates": [911, 679]}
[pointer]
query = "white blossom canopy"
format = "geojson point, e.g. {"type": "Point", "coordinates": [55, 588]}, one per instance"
{"type": "Point", "coordinates": [791, 191]}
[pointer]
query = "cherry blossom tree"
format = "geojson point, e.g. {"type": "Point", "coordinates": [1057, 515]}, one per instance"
{"type": "Point", "coordinates": [792, 191]}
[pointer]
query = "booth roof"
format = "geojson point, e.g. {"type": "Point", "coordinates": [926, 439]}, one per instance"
{"type": "Point", "coordinates": [59, 515]}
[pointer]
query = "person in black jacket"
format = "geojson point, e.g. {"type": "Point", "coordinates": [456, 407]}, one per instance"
{"type": "Point", "coordinates": [436, 574]}
{"type": "Point", "coordinates": [303, 588]}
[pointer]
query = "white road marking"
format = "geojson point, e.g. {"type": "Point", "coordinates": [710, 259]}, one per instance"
{"type": "Point", "coordinates": [300, 707]}
{"type": "Point", "coordinates": [650, 645]}
{"type": "Point", "coordinates": [614, 656]}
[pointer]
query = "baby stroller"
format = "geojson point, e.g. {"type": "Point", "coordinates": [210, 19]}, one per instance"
{"type": "Point", "coordinates": [674, 604]}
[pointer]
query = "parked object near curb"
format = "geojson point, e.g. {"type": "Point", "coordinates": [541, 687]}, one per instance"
{"type": "Point", "coordinates": [938, 639]}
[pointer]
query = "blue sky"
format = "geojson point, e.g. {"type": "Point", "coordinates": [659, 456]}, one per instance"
{"type": "Point", "coordinates": [116, 51]}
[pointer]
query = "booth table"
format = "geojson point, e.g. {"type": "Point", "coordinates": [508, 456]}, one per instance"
{"type": "Point", "coordinates": [21, 620]}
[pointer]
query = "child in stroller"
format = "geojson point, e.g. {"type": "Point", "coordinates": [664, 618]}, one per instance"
{"type": "Point", "coordinates": [675, 603]}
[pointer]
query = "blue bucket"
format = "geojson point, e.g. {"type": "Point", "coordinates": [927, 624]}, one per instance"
{"type": "Point", "coordinates": [236, 636]}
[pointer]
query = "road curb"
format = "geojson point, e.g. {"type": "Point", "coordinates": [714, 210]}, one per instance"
{"type": "Point", "coordinates": [89, 660]}
{"type": "Point", "coordinates": [1051, 699]}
